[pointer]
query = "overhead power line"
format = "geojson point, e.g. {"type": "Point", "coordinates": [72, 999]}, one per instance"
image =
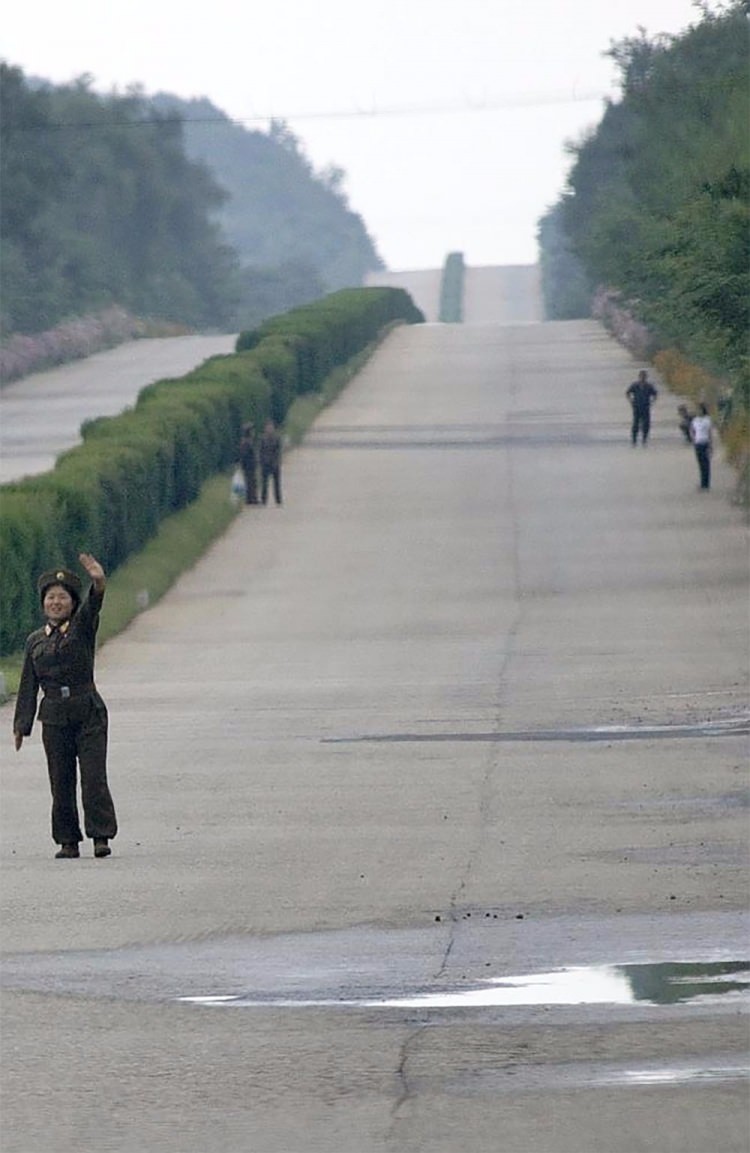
{"type": "Point", "coordinates": [470, 104]}
{"type": "Point", "coordinates": [374, 111]}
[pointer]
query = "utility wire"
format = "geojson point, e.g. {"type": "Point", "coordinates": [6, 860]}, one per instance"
{"type": "Point", "coordinates": [491, 104]}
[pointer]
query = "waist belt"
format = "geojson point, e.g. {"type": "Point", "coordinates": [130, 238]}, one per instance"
{"type": "Point", "coordinates": [65, 692]}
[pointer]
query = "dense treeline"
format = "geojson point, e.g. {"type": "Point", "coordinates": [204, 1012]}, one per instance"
{"type": "Point", "coordinates": [117, 200]}
{"type": "Point", "coordinates": [101, 205]}
{"type": "Point", "coordinates": [658, 200]}
{"type": "Point", "coordinates": [109, 494]}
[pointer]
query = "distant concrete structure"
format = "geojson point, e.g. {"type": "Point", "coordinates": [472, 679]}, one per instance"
{"type": "Point", "coordinates": [503, 294]}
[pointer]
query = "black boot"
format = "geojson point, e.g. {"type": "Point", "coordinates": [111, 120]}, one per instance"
{"type": "Point", "coordinates": [67, 852]}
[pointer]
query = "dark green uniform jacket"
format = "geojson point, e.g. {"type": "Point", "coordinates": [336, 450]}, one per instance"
{"type": "Point", "coordinates": [60, 661]}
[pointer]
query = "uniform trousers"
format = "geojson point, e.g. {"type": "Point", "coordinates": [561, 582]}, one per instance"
{"type": "Point", "coordinates": [251, 485]}
{"type": "Point", "coordinates": [642, 422]}
{"type": "Point", "coordinates": [83, 740]}
{"type": "Point", "coordinates": [273, 474]}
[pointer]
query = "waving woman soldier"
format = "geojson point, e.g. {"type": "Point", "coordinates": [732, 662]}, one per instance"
{"type": "Point", "coordinates": [59, 659]}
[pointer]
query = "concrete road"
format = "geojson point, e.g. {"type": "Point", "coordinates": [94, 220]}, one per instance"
{"type": "Point", "coordinates": [467, 708]}
{"type": "Point", "coordinates": [41, 416]}
{"type": "Point", "coordinates": [510, 294]}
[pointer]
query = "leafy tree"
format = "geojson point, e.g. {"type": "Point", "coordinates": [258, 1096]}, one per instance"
{"type": "Point", "coordinates": [658, 203]}
{"type": "Point", "coordinates": [565, 287]}
{"type": "Point", "coordinates": [101, 204]}
{"type": "Point", "coordinates": [268, 291]}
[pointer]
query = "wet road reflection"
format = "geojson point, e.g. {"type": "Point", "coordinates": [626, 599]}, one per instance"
{"type": "Point", "coordinates": [667, 983]}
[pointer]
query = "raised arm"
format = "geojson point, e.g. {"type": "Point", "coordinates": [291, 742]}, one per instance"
{"type": "Point", "coordinates": [95, 571]}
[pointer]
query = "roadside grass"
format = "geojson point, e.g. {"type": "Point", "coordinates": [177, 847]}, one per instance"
{"type": "Point", "coordinates": [179, 542]}
{"type": "Point", "coordinates": [182, 539]}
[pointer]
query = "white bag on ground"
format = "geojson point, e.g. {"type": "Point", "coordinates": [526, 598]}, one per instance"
{"type": "Point", "coordinates": [237, 490]}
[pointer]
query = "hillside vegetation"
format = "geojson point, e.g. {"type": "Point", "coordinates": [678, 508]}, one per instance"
{"type": "Point", "coordinates": [116, 201]}
{"type": "Point", "coordinates": [291, 227]}
{"type": "Point", "coordinates": [657, 208]}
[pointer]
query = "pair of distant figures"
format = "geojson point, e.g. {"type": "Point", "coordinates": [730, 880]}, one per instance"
{"type": "Point", "coordinates": [266, 454]}
{"type": "Point", "coordinates": [695, 427]}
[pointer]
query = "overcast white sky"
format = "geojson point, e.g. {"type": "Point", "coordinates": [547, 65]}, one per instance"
{"type": "Point", "coordinates": [475, 98]}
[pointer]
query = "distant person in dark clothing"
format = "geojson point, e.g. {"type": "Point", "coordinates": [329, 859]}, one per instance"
{"type": "Point", "coordinates": [270, 462]}
{"type": "Point", "coordinates": [701, 432]}
{"type": "Point", "coordinates": [249, 463]}
{"type": "Point", "coordinates": [641, 393]}
{"type": "Point", "coordinates": [59, 660]}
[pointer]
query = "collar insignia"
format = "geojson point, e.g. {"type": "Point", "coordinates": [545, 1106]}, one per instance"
{"type": "Point", "coordinates": [62, 629]}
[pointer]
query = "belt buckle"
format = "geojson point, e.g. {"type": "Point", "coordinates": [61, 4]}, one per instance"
{"type": "Point", "coordinates": [65, 692]}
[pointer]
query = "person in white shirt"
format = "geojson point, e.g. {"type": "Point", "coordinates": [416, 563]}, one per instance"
{"type": "Point", "coordinates": [701, 434]}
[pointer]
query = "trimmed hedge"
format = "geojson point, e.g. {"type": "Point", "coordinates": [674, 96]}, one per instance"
{"type": "Point", "coordinates": [326, 334]}
{"type": "Point", "coordinates": [109, 495]}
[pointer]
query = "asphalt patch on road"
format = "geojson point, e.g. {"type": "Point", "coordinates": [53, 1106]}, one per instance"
{"type": "Point", "coordinates": [393, 440]}
{"type": "Point", "coordinates": [587, 735]}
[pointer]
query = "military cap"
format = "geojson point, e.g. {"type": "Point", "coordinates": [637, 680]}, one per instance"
{"type": "Point", "coordinates": [60, 576]}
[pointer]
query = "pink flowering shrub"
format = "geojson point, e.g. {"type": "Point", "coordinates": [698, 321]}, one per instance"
{"type": "Point", "coordinates": [608, 307]}
{"type": "Point", "coordinates": [21, 355]}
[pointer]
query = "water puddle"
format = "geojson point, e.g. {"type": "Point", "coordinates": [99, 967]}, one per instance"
{"type": "Point", "coordinates": [666, 983]}
{"type": "Point", "coordinates": [678, 1076]}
